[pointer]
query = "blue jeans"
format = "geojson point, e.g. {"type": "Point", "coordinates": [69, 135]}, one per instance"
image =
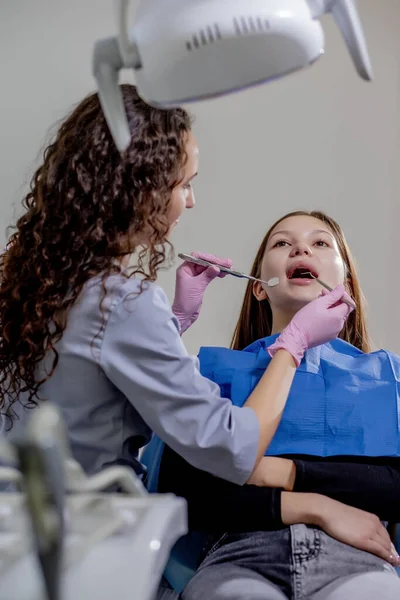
{"type": "Point", "coordinates": [296, 563]}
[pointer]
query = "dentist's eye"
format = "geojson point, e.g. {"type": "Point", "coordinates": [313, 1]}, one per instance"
{"type": "Point", "coordinates": [280, 244]}
{"type": "Point", "coordinates": [322, 244]}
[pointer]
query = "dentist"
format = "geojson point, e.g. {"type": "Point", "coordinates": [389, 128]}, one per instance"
{"type": "Point", "coordinates": [84, 324]}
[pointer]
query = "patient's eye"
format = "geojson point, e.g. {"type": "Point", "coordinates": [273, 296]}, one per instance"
{"type": "Point", "coordinates": [322, 244]}
{"type": "Point", "coordinates": [280, 244]}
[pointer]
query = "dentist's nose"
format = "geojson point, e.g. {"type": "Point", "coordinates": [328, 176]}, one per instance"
{"type": "Point", "coordinates": [301, 249]}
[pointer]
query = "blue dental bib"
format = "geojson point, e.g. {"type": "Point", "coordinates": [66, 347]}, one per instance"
{"type": "Point", "coordinates": [342, 401]}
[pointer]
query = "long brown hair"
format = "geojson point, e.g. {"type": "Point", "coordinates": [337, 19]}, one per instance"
{"type": "Point", "coordinates": [255, 320]}
{"type": "Point", "coordinates": [86, 206]}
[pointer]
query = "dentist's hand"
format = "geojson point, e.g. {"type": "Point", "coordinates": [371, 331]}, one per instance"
{"type": "Point", "coordinates": [317, 323]}
{"type": "Point", "coordinates": [191, 283]}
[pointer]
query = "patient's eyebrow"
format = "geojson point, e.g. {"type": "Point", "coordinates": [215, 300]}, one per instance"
{"type": "Point", "coordinates": [282, 232]}
{"type": "Point", "coordinates": [287, 232]}
{"type": "Point", "coordinates": [324, 231]}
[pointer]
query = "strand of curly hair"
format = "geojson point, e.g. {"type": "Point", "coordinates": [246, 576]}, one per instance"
{"type": "Point", "coordinates": [85, 206]}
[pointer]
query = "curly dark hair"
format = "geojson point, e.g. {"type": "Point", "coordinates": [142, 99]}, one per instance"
{"type": "Point", "coordinates": [86, 206]}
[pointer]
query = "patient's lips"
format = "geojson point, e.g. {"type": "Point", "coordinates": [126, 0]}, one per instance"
{"type": "Point", "coordinates": [299, 273]}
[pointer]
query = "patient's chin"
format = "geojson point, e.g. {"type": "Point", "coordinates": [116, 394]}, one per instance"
{"type": "Point", "coordinates": [298, 301]}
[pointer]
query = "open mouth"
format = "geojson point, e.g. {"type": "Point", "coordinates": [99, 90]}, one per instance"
{"type": "Point", "coordinates": [301, 273]}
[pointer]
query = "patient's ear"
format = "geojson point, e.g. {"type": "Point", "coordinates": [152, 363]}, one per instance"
{"type": "Point", "coordinates": [259, 291]}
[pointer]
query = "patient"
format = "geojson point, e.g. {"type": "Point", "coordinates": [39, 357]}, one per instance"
{"type": "Point", "coordinates": [307, 526]}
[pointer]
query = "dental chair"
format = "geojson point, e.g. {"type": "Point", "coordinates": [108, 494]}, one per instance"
{"type": "Point", "coordinates": [185, 555]}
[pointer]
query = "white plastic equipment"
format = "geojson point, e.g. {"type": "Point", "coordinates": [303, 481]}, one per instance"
{"type": "Point", "coordinates": [110, 545]}
{"type": "Point", "coordinates": [188, 50]}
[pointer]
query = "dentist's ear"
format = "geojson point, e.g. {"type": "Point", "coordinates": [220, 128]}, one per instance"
{"type": "Point", "coordinates": [259, 291]}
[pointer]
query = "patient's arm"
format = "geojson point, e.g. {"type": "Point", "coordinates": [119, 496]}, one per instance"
{"type": "Point", "coordinates": [218, 505]}
{"type": "Point", "coordinates": [371, 487]}
{"type": "Point", "coordinates": [215, 504]}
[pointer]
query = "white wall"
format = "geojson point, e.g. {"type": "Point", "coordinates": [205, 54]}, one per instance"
{"type": "Point", "coordinates": [322, 138]}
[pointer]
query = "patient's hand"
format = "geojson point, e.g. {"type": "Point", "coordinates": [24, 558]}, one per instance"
{"type": "Point", "coordinates": [274, 472]}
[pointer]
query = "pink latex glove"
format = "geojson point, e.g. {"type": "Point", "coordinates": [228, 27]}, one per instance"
{"type": "Point", "coordinates": [191, 283]}
{"type": "Point", "coordinates": [317, 323]}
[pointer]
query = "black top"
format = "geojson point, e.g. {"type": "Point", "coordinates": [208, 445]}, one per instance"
{"type": "Point", "coordinates": [372, 484]}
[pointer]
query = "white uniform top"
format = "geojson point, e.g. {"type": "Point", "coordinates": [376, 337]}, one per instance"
{"type": "Point", "coordinates": [124, 372]}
